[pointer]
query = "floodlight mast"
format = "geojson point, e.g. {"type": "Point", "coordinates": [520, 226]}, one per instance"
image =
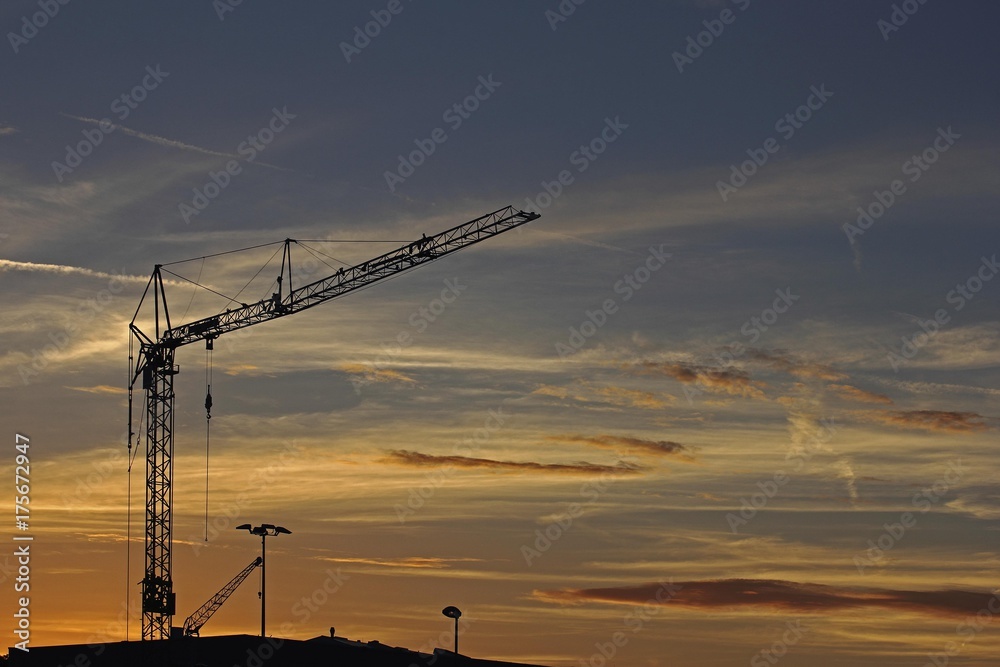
{"type": "Point", "coordinates": [156, 368]}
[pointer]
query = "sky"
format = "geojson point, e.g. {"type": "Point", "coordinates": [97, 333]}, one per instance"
{"type": "Point", "coordinates": [730, 400]}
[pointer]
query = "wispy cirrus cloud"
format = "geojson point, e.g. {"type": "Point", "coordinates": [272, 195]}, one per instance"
{"type": "Point", "coordinates": [413, 562]}
{"type": "Point", "coordinates": [851, 393]}
{"type": "Point", "coordinates": [731, 381]}
{"type": "Point", "coordinates": [752, 595]}
{"type": "Point", "coordinates": [101, 389]}
{"type": "Point", "coordinates": [634, 398]}
{"type": "Point", "coordinates": [787, 363]}
{"type": "Point", "coordinates": [372, 373]}
{"type": "Point", "coordinates": [417, 459]}
{"type": "Point", "coordinates": [169, 143]}
{"type": "Point", "coordinates": [931, 420]}
{"type": "Point", "coordinates": [608, 395]}
{"type": "Point", "coordinates": [616, 442]}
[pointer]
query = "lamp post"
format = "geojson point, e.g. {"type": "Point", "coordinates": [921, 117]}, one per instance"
{"type": "Point", "coordinates": [264, 530]}
{"type": "Point", "coordinates": [455, 613]}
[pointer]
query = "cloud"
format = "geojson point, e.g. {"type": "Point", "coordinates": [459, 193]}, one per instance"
{"type": "Point", "coordinates": [415, 562]}
{"type": "Point", "coordinates": [101, 389]}
{"type": "Point", "coordinates": [777, 595]}
{"type": "Point", "coordinates": [850, 393]}
{"type": "Point", "coordinates": [551, 390]}
{"type": "Point", "coordinates": [932, 420]}
{"type": "Point", "coordinates": [787, 363]}
{"type": "Point", "coordinates": [576, 239]}
{"type": "Point", "coordinates": [374, 374]}
{"type": "Point", "coordinates": [729, 381]}
{"type": "Point", "coordinates": [986, 506]}
{"type": "Point", "coordinates": [659, 448]}
{"type": "Point", "coordinates": [845, 471]}
{"type": "Point", "coordinates": [937, 388]}
{"type": "Point", "coordinates": [633, 398]}
{"type": "Point", "coordinates": [585, 392]}
{"type": "Point", "coordinates": [410, 458]}
{"type": "Point", "coordinates": [7, 129]}
{"type": "Point", "coordinates": [170, 143]}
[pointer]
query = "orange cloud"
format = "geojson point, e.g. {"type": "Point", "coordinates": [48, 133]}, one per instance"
{"type": "Point", "coordinates": [410, 458]}
{"type": "Point", "coordinates": [634, 398]}
{"type": "Point", "coordinates": [850, 393]}
{"type": "Point", "coordinates": [791, 365]}
{"type": "Point", "coordinates": [373, 374]}
{"type": "Point", "coordinates": [660, 448]}
{"type": "Point", "coordinates": [584, 392]}
{"type": "Point", "coordinates": [777, 595]}
{"type": "Point", "coordinates": [730, 381]}
{"type": "Point", "coordinates": [101, 389]}
{"type": "Point", "coordinates": [416, 562]}
{"type": "Point", "coordinates": [932, 420]}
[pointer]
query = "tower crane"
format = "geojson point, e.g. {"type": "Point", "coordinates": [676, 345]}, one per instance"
{"type": "Point", "coordinates": [192, 626]}
{"type": "Point", "coordinates": [154, 366]}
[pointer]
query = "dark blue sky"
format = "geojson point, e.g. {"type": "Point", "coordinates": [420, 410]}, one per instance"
{"type": "Point", "coordinates": [257, 128]}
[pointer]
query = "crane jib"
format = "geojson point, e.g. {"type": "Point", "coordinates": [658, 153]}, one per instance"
{"type": "Point", "coordinates": [346, 280]}
{"type": "Point", "coordinates": [155, 365]}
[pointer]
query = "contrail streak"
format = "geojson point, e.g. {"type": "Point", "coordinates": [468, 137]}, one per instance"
{"type": "Point", "coordinates": [10, 265]}
{"type": "Point", "coordinates": [170, 143]}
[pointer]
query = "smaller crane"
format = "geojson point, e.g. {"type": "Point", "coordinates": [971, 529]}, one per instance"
{"type": "Point", "coordinates": [199, 618]}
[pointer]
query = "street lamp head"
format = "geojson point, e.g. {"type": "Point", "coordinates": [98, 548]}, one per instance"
{"type": "Point", "coordinates": [265, 529]}
{"type": "Point", "coordinates": [452, 612]}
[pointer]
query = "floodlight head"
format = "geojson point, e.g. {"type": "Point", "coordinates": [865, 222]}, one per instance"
{"type": "Point", "coordinates": [281, 529]}
{"type": "Point", "coordinates": [245, 526]}
{"type": "Point", "coordinates": [452, 612]}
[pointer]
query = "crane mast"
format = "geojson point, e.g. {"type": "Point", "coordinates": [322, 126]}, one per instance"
{"type": "Point", "coordinates": [155, 366]}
